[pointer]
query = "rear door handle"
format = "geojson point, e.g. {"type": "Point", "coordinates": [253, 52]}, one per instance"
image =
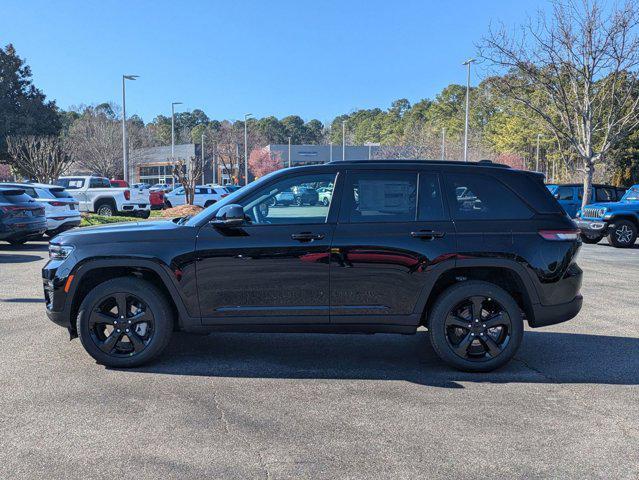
{"type": "Point", "coordinates": [307, 236]}
{"type": "Point", "coordinates": [427, 234]}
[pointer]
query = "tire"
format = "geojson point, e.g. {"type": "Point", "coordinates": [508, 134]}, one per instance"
{"type": "Point", "coordinates": [622, 234]}
{"type": "Point", "coordinates": [503, 338]}
{"type": "Point", "coordinates": [122, 354]}
{"type": "Point", "coordinates": [272, 202]}
{"type": "Point", "coordinates": [105, 209]}
{"type": "Point", "coordinates": [209, 203]}
{"type": "Point", "coordinates": [298, 201]}
{"type": "Point", "coordinates": [144, 214]}
{"type": "Point", "coordinates": [591, 239]}
{"type": "Point", "coordinates": [167, 204]}
{"type": "Point", "coordinates": [325, 202]}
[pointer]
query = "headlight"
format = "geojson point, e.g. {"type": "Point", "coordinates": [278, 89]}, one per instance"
{"type": "Point", "coordinates": [602, 212]}
{"type": "Point", "coordinates": [59, 252]}
{"type": "Point", "coordinates": [578, 214]}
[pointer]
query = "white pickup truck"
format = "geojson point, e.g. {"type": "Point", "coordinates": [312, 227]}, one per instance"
{"type": "Point", "coordinates": [95, 194]}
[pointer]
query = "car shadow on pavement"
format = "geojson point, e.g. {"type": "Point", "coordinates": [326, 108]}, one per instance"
{"type": "Point", "coordinates": [4, 258]}
{"type": "Point", "coordinates": [545, 357]}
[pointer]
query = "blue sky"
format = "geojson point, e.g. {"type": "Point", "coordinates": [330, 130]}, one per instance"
{"type": "Point", "coordinates": [316, 59]}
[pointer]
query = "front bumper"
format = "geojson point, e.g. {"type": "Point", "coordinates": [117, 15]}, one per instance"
{"type": "Point", "coordinates": [545, 315]}
{"type": "Point", "coordinates": [598, 227]}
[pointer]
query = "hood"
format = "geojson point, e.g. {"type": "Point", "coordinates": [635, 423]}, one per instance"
{"type": "Point", "coordinates": [119, 233]}
{"type": "Point", "coordinates": [615, 205]}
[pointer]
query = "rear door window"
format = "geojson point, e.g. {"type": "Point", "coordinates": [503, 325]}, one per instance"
{"type": "Point", "coordinates": [431, 207]}
{"type": "Point", "coordinates": [380, 196]}
{"type": "Point", "coordinates": [482, 197]}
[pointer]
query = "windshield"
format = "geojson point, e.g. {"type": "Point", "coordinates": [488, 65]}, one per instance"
{"type": "Point", "coordinates": [70, 183]}
{"type": "Point", "coordinates": [631, 195]}
{"type": "Point", "coordinates": [232, 198]}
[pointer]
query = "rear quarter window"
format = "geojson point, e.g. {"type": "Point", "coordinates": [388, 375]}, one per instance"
{"type": "Point", "coordinates": [483, 197]}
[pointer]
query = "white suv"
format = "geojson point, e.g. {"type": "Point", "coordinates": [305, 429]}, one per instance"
{"type": "Point", "coordinates": [61, 209]}
{"type": "Point", "coordinates": [204, 196]}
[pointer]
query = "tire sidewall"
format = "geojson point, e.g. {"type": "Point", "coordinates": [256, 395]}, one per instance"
{"type": "Point", "coordinates": [453, 296]}
{"type": "Point", "coordinates": [155, 301]}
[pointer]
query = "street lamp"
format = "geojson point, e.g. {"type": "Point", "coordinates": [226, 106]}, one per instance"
{"type": "Point", "coordinates": [246, 116]}
{"type": "Point", "coordinates": [343, 140]}
{"type": "Point", "coordinates": [125, 150]}
{"type": "Point", "coordinates": [467, 63]}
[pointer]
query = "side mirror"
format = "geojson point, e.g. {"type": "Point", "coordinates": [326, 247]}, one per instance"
{"type": "Point", "coordinates": [229, 216]}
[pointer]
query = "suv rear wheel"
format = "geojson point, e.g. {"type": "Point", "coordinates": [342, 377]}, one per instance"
{"type": "Point", "coordinates": [124, 322]}
{"type": "Point", "coordinates": [622, 234]}
{"type": "Point", "coordinates": [475, 326]}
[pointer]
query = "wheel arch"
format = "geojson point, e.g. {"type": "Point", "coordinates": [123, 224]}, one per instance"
{"type": "Point", "coordinates": [506, 274]}
{"type": "Point", "coordinates": [93, 272]}
{"type": "Point", "coordinates": [632, 217]}
{"type": "Point", "coordinates": [102, 200]}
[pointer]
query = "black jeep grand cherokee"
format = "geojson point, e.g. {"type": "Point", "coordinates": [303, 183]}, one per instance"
{"type": "Point", "coordinates": [468, 251]}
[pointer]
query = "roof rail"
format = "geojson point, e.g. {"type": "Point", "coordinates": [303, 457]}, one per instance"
{"type": "Point", "coordinates": [483, 163]}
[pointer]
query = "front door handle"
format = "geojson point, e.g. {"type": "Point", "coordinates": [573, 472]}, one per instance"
{"type": "Point", "coordinates": [307, 236]}
{"type": "Point", "coordinates": [427, 234]}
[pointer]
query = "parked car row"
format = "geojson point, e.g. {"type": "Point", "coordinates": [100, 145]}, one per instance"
{"type": "Point", "coordinates": [612, 212]}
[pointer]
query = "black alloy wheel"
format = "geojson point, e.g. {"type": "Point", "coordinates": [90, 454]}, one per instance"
{"type": "Point", "coordinates": [475, 326]}
{"type": "Point", "coordinates": [124, 322]}
{"type": "Point", "coordinates": [121, 325]}
{"type": "Point", "coordinates": [478, 328]}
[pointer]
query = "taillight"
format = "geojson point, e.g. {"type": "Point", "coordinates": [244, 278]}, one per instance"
{"type": "Point", "coordinates": [225, 195]}
{"type": "Point", "coordinates": [11, 209]}
{"type": "Point", "coordinates": [559, 235]}
{"type": "Point", "coordinates": [127, 195]}
{"type": "Point", "coordinates": [57, 204]}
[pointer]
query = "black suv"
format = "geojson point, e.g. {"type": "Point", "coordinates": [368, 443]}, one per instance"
{"type": "Point", "coordinates": [398, 247]}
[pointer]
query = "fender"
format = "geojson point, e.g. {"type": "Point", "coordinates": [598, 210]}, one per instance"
{"type": "Point", "coordinates": [105, 197]}
{"type": "Point", "coordinates": [448, 265]}
{"type": "Point", "coordinates": [90, 264]}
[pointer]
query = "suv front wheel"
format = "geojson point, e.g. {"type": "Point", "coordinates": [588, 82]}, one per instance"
{"type": "Point", "coordinates": [124, 322]}
{"type": "Point", "coordinates": [475, 326]}
{"type": "Point", "coordinates": [622, 234]}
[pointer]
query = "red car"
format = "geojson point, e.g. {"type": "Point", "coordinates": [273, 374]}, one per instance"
{"type": "Point", "coordinates": [157, 200]}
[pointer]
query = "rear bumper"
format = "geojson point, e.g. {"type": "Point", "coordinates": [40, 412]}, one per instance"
{"type": "Point", "coordinates": [545, 315]}
{"type": "Point", "coordinates": [136, 207]}
{"type": "Point", "coordinates": [17, 231]}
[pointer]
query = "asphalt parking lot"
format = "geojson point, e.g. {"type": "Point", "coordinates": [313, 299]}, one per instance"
{"type": "Point", "coordinates": [323, 406]}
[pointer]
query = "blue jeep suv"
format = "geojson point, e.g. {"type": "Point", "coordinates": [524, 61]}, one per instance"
{"type": "Point", "coordinates": [619, 220]}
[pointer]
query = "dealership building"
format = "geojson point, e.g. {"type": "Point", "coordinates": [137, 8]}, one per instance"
{"type": "Point", "coordinates": [153, 165]}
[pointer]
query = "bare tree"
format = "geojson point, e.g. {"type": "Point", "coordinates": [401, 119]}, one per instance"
{"type": "Point", "coordinates": [187, 174]}
{"type": "Point", "coordinates": [95, 141]}
{"type": "Point", "coordinates": [577, 72]}
{"type": "Point", "coordinates": [38, 158]}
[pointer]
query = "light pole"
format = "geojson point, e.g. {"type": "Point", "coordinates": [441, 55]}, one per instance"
{"type": "Point", "coordinates": [343, 140]}
{"type": "Point", "coordinates": [202, 147]}
{"type": "Point", "coordinates": [467, 63]}
{"type": "Point", "coordinates": [443, 144]}
{"type": "Point", "coordinates": [537, 154]}
{"type": "Point", "coordinates": [246, 116]}
{"type": "Point", "coordinates": [125, 150]}
{"type": "Point", "coordinates": [289, 152]}
{"type": "Point", "coordinates": [173, 129]}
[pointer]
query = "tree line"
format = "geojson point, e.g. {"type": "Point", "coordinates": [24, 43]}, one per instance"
{"type": "Point", "coordinates": [561, 95]}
